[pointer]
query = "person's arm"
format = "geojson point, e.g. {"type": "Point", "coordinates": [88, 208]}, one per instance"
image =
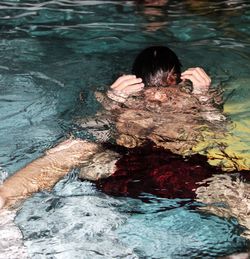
{"type": "Point", "coordinates": [211, 100]}
{"type": "Point", "coordinates": [45, 172]}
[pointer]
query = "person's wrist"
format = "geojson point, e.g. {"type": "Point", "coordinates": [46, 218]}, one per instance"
{"type": "Point", "coordinates": [201, 94]}
{"type": "Point", "coordinates": [117, 96]}
{"type": "Point", "coordinates": [200, 90]}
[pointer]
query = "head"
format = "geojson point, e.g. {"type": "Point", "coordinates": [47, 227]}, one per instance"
{"type": "Point", "coordinates": [157, 66]}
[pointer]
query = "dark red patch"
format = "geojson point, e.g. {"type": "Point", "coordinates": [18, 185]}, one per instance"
{"type": "Point", "coordinates": [158, 172]}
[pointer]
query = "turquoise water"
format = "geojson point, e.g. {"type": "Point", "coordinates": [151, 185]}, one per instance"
{"type": "Point", "coordinates": [51, 51]}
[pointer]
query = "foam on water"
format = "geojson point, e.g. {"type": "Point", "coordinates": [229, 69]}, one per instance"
{"type": "Point", "coordinates": [11, 238]}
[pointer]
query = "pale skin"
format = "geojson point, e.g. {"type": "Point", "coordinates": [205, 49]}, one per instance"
{"type": "Point", "coordinates": [201, 81]}
{"type": "Point", "coordinates": [129, 84]}
{"type": "Point", "coordinates": [46, 171]}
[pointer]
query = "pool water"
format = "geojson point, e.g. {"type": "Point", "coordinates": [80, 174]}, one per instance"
{"type": "Point", "coordinates": [53, 53]}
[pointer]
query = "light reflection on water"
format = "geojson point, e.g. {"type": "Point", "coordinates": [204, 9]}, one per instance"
{"type": "Point", "coordinates": [53, 50]}
{"type": "Point", "coordinates": [123, 227]}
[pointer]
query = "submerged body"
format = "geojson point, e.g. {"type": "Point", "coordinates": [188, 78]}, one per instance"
{"type": "Point", "coordinates": [168, 117]}
{"type": "Point", "coordinates": [139, 115]}
{"type": "Point", "coordinates": [132, 120]}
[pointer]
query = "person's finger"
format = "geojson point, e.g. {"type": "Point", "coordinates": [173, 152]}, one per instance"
{"type": "Point", "coordinates": [188, 71]}
{"type": "Point", "coordinates": [127, 83]}
{"type": "Point", "coordinates": [192, 78]}
{"type": "Point", "coordinates": [198, 85]}
{"type": "Point", "coordinates": [204, 75]}
{"type": "Point", "coordinates": [121, 79]}
{"type": "Point", "coordinates": [199, 74]}
{"type": "Point", "coordinates": [197, 77]}
{"type": "Point", "coordinates": [133, 88]}
{"type": "Point", "coordinates": [193, 75]}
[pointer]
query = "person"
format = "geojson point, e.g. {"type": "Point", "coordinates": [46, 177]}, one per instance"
{"type": "Point", "coordinates": [168, 108]}
{"type": "Point", "coordinates": [154, 68]}
{"type": "Point", "coordinates": [159, 66]}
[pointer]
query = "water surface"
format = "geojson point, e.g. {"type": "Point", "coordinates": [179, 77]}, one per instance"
{"type": "Point", "coordinates": [51, 51]}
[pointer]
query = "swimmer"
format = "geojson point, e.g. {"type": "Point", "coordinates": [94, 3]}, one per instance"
{"type": "Point", "coordinates": [154, 67]}
{"type": "Point", "coordinates": [159, 103]}
{"type": "Point", "coordinates": [158, 67]}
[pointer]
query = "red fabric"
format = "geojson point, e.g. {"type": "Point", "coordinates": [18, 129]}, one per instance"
{"type": "Point", "coordinates": [158, 172]}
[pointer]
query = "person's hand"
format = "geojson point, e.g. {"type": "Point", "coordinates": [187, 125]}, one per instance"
{"type": "Point", "coordinates": [201, 81]}
{"type": "Point", "coordinates": [127, 84]}
{"type": "Point", "coordinates": [124, 86]}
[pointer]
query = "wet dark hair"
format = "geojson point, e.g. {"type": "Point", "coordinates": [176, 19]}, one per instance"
{"type": "Point", "coordinates": [157, 66]}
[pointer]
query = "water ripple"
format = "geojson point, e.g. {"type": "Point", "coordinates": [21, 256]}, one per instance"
{"type": "Point", "coordinates": [52, 50]}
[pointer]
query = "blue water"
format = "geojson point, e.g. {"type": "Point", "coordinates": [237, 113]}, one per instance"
{"type": "Point", "coordinates": [51, 51]}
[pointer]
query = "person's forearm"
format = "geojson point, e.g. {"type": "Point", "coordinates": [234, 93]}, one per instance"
{"type": "Point", "coordinates": [41, 174]}
{"type": "Point", "coordinates": [45, 172]}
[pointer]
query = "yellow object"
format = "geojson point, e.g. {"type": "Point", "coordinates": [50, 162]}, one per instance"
{"type": "Point", "coordinates": [231, 151]}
